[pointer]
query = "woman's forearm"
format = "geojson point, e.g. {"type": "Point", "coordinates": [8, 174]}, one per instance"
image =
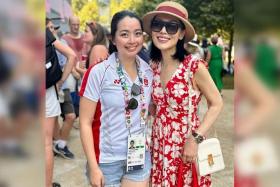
{"type": "Point", "coordinates": [214, 100]}
{"type": "Point", "coordinates": [210, 117]}
{"type": "Point", "coordinates": [87, 111]}
{"type": "Point", "coordinates": [88, 144]}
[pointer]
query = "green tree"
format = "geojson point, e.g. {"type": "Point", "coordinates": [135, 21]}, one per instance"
{"type": "Point", "coordinates": [212, 16]}
{"type": "Point", "coordinates": [118, 5]}
{"type": "Point", "coordinates": [209, 16]}
{"type": "Point", "coordinates": [146, 6]}
{"type": "Point", "coordinates": [89, 12]}
{"type": "Point", "coordinates": [77, 5]}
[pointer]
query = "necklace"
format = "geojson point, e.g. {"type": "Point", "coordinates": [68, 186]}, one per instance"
{"type": "Point", "coordinates": [143, 112]}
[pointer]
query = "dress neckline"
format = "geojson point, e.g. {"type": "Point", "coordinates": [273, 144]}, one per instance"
{"type": "Point", "coordinates": [171, 78]}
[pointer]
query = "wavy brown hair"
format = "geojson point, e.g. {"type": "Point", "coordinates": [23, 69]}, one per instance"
{"type": "Point", "coordinates": [98, 32]}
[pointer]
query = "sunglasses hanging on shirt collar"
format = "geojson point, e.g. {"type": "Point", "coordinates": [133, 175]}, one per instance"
{"type": "Point", "coordinates": [133, 103]}
{"type": "Point", "coordinates": [135, 90]}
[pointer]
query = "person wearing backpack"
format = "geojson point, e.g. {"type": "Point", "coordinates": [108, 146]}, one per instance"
{"type": "Point", "coordinates": [54, 80]}
{"type": "Point", "coordinates": [62, 133]}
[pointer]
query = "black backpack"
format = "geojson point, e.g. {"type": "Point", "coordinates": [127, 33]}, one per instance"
{"type": "Point", "coordinates": [53, 70]}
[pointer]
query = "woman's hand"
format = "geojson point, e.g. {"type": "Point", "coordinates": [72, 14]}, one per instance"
{"type": "Point", "coordinates": [82, 64]}
{"type": "Point", "coordinates": [96, 178]}
{"type": "Point", "coordinates": [81, 68]}
{"type": "Point", "coordinates": [76, 75]}
{"type": "Point", "coordinates": [190, 150]}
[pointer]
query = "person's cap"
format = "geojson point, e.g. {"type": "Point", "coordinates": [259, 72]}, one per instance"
{"type": "Point", "coordinates": [174, 9]}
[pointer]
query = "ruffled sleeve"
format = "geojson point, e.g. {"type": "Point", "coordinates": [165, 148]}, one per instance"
{"type": "Point", "coordinates": [194, 65]}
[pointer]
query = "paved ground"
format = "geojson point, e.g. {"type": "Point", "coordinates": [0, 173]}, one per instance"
{"type": "Point", "coordinates": [70, 173]}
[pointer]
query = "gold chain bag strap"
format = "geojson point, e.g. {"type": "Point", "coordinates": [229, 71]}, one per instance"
{"type": "Point", "coordinates": [209, 158]}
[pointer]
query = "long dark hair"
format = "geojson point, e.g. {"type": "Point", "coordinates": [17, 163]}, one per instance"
{"type": "Point", "coordinates": [180, 53]}
{"type": "Point", "coordinates": [99, 37]}
{"type": "Point", "coordinates": [114, 26]}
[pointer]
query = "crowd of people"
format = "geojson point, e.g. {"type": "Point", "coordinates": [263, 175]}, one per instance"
{"type": "Point", "coordinates": [112, 85]}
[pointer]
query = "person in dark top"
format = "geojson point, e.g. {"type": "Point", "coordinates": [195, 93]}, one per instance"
{"type": "Point", "coordinates": [52, 108]}
{"type": "Point", "coordinates": [144, 54]}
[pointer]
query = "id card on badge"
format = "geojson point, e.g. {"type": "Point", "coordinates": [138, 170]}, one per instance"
{"type": "Point", "coordinates": [136, 152]}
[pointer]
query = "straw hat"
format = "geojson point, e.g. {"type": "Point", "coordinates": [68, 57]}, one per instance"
{"type": "Point", "coordinates": [174, 9]}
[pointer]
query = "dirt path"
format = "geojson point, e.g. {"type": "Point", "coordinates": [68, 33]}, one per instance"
{"type": "Point", "coordinates": [70, 173]}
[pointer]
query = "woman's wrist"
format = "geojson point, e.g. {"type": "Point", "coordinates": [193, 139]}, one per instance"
{"type": "Point", "coordinates": [94, 166]}
{"type": "Point", "coordinates": [198, 137]}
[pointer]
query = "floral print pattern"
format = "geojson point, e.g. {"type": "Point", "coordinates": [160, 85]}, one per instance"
{"type": "Point", "coordinates": [171, 126]}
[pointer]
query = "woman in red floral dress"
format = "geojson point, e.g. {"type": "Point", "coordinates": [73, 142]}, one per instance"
{"type": "Point", "coordinates": [179, 82]}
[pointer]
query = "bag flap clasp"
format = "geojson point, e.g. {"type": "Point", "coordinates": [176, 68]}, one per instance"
{"type": "Point", "coordinates": [210, 160]}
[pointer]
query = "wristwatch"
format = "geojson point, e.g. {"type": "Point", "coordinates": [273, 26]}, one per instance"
{"type": "Point", "coordinates": [198, 138]}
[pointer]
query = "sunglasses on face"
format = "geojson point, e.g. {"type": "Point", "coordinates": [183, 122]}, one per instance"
{"type": "Point", "coordinates": [133, 103]}
{"type": "Point", "coordinates": [170, 27]}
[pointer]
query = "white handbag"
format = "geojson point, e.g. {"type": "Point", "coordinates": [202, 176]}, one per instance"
{"type": "Point", "coordinates": [210, 158]}
{"type": "Point", "coordinates": [256, 156]}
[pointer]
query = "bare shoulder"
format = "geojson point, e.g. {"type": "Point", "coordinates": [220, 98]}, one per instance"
{"type": "Point", "coordinates": [99, 48]}
{"type": "Point", "coordinates": [200, 67]}
{"type": "Point", "coordinates": [202, 73]}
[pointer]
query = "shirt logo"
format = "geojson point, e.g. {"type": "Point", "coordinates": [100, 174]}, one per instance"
{"type": "Point", "coordinates": [117, 81]}
{"type": "Point", "coordinates": [146, 82]}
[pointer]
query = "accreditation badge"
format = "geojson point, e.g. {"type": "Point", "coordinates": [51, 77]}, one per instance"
{"type": "Point", "coordinates": [136, 152]}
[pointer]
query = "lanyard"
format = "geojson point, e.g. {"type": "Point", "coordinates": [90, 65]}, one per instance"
{"type": "Point", "coordinates": [143, 112]}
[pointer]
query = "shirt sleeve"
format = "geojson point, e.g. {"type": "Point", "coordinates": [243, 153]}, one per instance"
{"type": "Point", "coordinates": [92, 82]}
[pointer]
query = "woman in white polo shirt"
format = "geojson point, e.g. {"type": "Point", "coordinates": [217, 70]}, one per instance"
{"type": "Point", "coordinates": [122, 83]}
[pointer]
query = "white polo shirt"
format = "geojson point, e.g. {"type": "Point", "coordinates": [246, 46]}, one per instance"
{"type": "Point", "coordinates": [102, 83]}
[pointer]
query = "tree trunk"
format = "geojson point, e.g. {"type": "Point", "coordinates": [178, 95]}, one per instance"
{"type": "Point", "coordinates": [230, 47]}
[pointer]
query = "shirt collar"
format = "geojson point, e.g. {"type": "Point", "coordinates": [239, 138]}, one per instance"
{"type": "Point", "coordinates": [144, 66]}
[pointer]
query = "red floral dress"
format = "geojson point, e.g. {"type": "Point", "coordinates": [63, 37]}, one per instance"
{"type": "Point", "coordinates": [171, 126]}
